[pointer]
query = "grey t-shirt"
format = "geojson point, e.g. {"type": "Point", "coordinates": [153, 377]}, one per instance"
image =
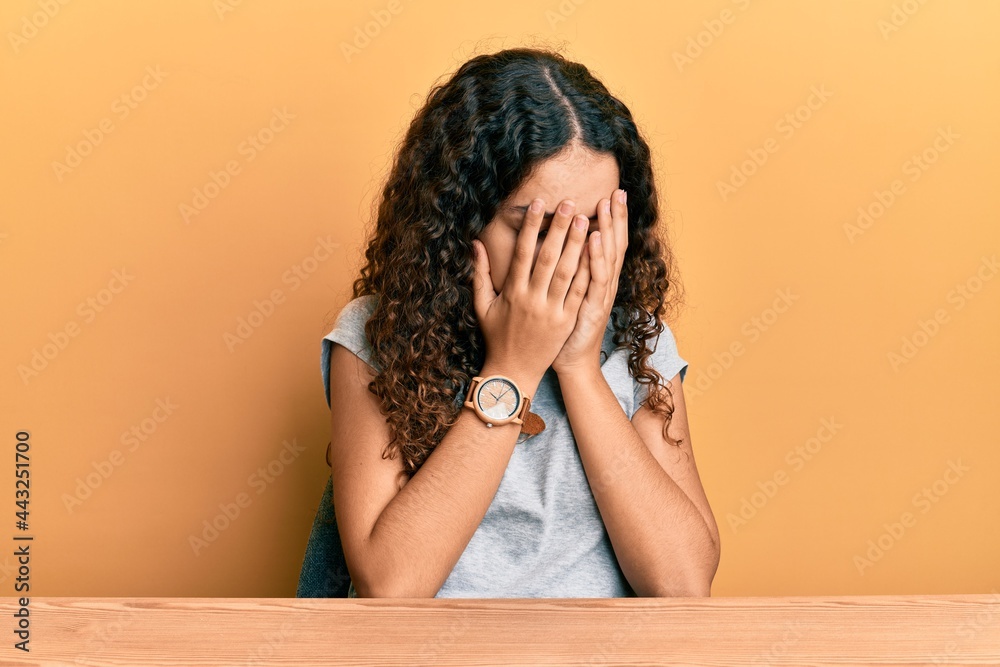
{"type": "Point", "coordinates": [542, 535]}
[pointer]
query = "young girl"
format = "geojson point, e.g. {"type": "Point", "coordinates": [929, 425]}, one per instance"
{"type": "Point", "coordinates": [507, 413]}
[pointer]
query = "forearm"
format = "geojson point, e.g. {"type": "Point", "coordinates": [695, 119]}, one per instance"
{"type": "Point", "coordinates": [661, 540]}
{"type": "Point", "coordinates": [423, 531]}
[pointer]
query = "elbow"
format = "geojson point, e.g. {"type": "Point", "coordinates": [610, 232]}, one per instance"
{"type": "Point", "coordinates": [367, 583]}
{"type": "Point", "coordinates": [690, 582]}
{"type": "Point", "coordinates": [699, 584]}
{"type": "Point", "coordinates": [375, 575]}
{"type": "Point", "coordinates": [363, 590]}
{"type": "Point", "coordinates": [697, 581]}
{"type": "Point", "coordinates": [388, 587]}
{"type": "Point", "coordinates": [375, 587]}
{"type": "Point", "coordinates": [695, 588]}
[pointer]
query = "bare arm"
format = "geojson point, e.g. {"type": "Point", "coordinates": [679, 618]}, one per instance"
{"type": "Point", "coordinates": [649, 493]}
{"type": "Point", "coordinates": [405, 542]}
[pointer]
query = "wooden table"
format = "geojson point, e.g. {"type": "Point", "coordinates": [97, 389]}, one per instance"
{"type": "Point", "coordinates": [871, 630]}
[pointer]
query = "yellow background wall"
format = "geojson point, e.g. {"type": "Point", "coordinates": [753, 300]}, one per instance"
{"type": "Point", "coordinates": [839, 368]}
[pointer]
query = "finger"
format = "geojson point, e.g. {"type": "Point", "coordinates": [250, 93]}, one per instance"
{"type": "Point", "coordinates": [566, 268]}
{"type": "Point", "coordinates": [581, 282]}
{"type": "Point", "coordinates": [620, 216]}
{"type": "Point", "coordinates": [621, 224]}
{"type": "Point", "coordinates": [524, 248]}
{"type": "Point", "coordinates": [598, 272]}
{"type": "Point", "coordinates": [482, 285]}
{"type": "Point", "coordinates": [552, 246]}
{"type": "Point", "coordinates": [606, 225]}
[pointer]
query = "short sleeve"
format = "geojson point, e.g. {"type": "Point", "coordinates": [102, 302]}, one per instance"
{"type": "Point", "coordinates": [349, 331]}
{"type": "Point", "coordinates": [665, 358]}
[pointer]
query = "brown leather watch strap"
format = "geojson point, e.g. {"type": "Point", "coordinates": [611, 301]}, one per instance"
{"type": "Point", "coordinates": [531, 423]}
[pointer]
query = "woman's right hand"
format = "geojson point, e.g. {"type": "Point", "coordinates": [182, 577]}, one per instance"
{"type": "Point", "coordinates": [526, 325]}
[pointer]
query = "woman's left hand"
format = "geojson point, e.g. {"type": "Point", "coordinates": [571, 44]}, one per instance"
{"type": "Point", "coordinates": [603, 259]}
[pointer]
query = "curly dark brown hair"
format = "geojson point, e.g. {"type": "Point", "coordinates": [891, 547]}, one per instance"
{"type": "Point", "coordinates": [470, 146]}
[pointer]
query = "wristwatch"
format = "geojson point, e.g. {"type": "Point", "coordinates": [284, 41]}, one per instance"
{"type": "Point", "coordinates": [497, 400]}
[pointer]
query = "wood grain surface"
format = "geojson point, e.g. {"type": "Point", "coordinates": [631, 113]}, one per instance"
{"type": "Point", "coordinates": [836, 630]}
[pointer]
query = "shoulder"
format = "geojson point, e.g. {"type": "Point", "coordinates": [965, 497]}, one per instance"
{"type": "Point", "coordinates": [348, 331]}
{"type": "Point", "coordinates": [356, 312]}
{"type": "Point", "coordinates": [349, 327]}
{"type": "Point", "coordinates": [664, 357]}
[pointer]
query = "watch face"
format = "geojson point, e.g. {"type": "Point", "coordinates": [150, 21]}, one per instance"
{"type": "Point", "coordinates": [498, 398]}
